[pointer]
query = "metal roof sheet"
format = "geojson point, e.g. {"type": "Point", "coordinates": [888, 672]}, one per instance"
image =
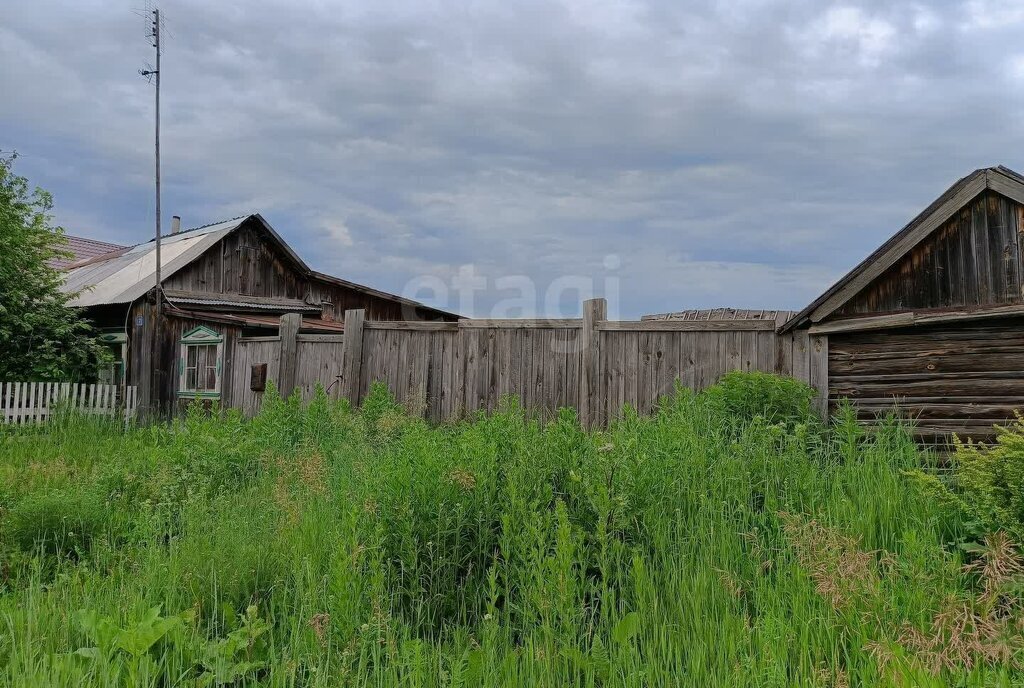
{"type": "Point", "coordinates": [259, 320]}
{"type": "Point", "coordinates": [127, 276]}
{"type": "Point", "coordinates": [721, 314]}
{"type": "Point", "coordinates": [242, 302]}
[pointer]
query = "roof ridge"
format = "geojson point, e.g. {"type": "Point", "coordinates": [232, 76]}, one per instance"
{"type": "Point", "coordinates": [194, 229]}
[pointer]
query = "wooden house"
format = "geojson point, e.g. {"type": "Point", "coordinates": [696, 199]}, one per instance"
{"type": "Point", "coordinates": [219, 282]}
{"type": "Point", "coordinates": [933, 320]}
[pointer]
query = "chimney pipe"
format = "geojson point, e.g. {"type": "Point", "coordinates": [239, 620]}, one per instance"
{"type": "Point", "coordinates": [175, 224]}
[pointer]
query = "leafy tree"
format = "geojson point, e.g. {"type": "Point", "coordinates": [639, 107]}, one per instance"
{"type": "Point", "coordinates": [41, 337]}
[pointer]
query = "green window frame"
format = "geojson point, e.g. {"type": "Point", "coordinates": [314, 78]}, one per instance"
{"type": "Point", "coordinates": [200, 363]}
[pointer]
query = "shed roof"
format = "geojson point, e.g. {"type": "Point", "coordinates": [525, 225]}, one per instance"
{"type": "Point", "coordinates": [307, 325]}
{"type": "Point", "coordinates": [193, 299]}
{"type": "Point", "coordinates": [1000, 179]}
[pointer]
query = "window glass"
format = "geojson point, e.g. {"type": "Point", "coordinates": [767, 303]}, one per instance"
{"type": "Point", "coordinates": [200, 368]}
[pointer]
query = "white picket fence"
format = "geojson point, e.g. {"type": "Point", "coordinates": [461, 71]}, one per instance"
{"type": "Point", "coordinates": [34, 402]}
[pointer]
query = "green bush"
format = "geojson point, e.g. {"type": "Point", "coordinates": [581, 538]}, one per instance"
{"type": "Point", "coordinates": [987, 483]}
{"type": "Point", "coordinates": [740, 397]}
{"type": "Point", "coordinates": [58, 522]}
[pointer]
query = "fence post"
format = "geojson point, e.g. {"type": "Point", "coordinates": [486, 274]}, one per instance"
{"type": "Point", "coordinates": [594, 311]}
{"type": "Point", "coordinates": [289, 330]}
{"type": "Point", "coordinates": [352, 355]}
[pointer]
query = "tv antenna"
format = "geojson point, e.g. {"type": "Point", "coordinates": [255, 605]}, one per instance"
{"type": "Point", "coordinates": [154, 26]}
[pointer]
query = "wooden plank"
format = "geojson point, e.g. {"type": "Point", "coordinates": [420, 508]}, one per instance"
{"type": "Point", "coordinates": [687, 364]}
{"type": "Point", "coordinates": [595, 311]}
{"type": "Point", "coordinates": [644, 363]}
{"type": "Point", "coordinates": [352, 356]}
{"type": "Point", "coordinates": [523, 323]}
{"type": "Point", "coordinates": [425, 326]}
{"type": "Point", "coordinates": [289, 330]}
{"type": "Point", "coordinates": [630, 367]}
{"type": "Point", "coordinates": [247, 340]}
{"type": "Point", "coordinates": [1006, 185]}
{"type": "Point", "coordinates": [819, 372]}
{"type": "Point", "coordinates": [33, 409]}
{"type": "Point", "coordinates": [573, 364]}
{"type": "Point", "coordinates": [319, 338]}
{"type": "Point", "coordinates": [472, 371]}
{"type": "Point", "coordinates": [516, 365]}
{"type": "Point", "coordinates": [457, 403]}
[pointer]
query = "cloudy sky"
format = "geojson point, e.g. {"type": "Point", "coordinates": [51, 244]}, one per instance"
{"type": "Point", "coordinates": [677, 154]}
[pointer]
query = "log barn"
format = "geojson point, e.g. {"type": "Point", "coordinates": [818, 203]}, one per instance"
{"type": "Point", "coordinates": [219, 282]}
{"type": "Point", "coordinates": [933, 321]}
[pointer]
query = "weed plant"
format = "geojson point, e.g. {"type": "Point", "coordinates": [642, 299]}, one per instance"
{"type": "Point", "coordinates": [729, 539]}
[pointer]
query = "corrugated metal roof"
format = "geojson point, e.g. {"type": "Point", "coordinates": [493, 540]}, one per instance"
{"type": "Point", "coordinates": [290, 305]}
{"type": "Point", "coordinates": [721, 314]}
{"type": "Point", "coordinates": [257, 320]}
{"type": "Point", "coordinates": [82, 249]}
{"type": "Point", "coordinates": [127, 276]}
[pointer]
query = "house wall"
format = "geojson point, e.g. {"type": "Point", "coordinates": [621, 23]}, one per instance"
{"type": "Point", "coordinates": [244, 262]}
{"type": "Point", "coordinates": [377, 308]}
{"type": "Point", "coordinates": [959, 378]}
{"type": "Point", "coordinates": [974, 259]}
{"type": "Point", "coordinates": [143, 354]}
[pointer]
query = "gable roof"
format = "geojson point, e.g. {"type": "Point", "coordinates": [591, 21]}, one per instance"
{"type": "Point", "coordinates": [82, 249]}
{"type": "Point", "coordinates": [1000, 179]}
{"type": "Point", "coordinates": [127, 275]}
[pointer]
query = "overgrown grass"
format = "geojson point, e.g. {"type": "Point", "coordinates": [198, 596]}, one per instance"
{"type": "Point", "coordinates": [726, 540]}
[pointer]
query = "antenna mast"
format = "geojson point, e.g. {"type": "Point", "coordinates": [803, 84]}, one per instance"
{"type": "Point", "coordinates": [158, 315]}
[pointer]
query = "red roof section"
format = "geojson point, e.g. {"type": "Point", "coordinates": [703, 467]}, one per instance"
{"type": "Point", "coordinates": [84, 249]}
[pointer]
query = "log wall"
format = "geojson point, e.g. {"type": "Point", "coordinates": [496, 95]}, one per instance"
{"type": "Point", "coordinates": [956, 377]}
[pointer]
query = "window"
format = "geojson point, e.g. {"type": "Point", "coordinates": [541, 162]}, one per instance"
{"type": "Point", "coordinates": [115, 342]}
{"type": "Point", "coordinates": [200, 363]}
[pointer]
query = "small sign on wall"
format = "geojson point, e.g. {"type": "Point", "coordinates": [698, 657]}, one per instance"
{"type": "Point", "coordinates": [258, 377]}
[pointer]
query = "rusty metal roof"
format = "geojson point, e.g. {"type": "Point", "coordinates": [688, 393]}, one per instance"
{"type": "Point", "coordinates": [722, 314]}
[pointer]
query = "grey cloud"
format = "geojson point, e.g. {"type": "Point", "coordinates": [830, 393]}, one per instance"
{"type": "Point", "coordinates": [738, 152]}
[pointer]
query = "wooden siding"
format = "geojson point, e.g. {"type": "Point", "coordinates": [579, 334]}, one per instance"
{"type": "Point", "coordinates": [247, 263]}
{"type": "Point", "coordinates": [959, 378]}
{"type": "Point", "coordinates": [973, 260]}
{"type": "Point", "coordinates": [142, 354]}
{"type": "Point", "coordinates": [345, 298]}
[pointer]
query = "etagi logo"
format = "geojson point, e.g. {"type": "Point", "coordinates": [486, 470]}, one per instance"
{"type": "Point", "coordinates": [559, 298]}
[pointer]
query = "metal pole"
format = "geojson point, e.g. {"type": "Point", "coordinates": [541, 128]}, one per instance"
{"type": "Point", "coordinates": [158, 320]}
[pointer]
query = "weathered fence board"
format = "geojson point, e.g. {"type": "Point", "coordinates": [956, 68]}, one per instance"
{"type": "Point", "coordinates": [447, 371]}
{"type": "Point", "coordinates": [23, 403]}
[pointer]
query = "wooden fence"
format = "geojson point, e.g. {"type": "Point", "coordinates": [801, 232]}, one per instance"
{"type": "Point", "coordinates": [448, 370]}
{"type": "Point", "coordinates": [307, 359]}
{"type": "Point", "coordinates": [35, 402]}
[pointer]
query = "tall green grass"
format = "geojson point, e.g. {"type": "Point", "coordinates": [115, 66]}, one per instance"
{"type": "Point", "coordinates": [316, 546]}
